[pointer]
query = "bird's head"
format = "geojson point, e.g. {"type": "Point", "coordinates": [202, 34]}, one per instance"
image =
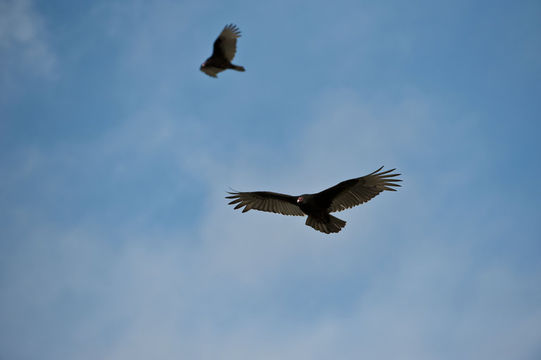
{"type": "Point", "coordinates": [203, 65]}
{"type": "Point", "coordinates": [300, 199]}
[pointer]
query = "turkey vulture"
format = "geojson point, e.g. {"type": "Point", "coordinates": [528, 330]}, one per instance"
{"type": "Point", "coordinates": [224, 51]}
{"type": "Point", "coordinates": [342, 196]}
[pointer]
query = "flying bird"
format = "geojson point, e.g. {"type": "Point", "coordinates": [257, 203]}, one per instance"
{"type": "Point", "coordinates": [318, 207]}
{"type": "Point", "coordinates": [224, 51]}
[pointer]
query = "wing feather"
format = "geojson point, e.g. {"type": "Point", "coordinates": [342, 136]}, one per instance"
{"type": "Point", "coordinates": [265, 201]}
{"type": "Point", "coordinates": [353, 192]}
{"type": "Point", "coordinates": [226, 43]}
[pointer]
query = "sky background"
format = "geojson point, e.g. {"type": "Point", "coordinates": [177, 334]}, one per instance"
{"type": "Point", "coordinates": [116, 152]}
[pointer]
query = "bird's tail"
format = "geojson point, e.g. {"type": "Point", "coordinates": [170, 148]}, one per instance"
{"type": "Point", "coordinates": [237, 67]}
{"type": "Point", "coordinates": [332, 225]}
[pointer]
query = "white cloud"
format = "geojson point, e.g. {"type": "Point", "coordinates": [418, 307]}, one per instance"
{"type": "Point", "coordinates": [411, 288]}
{"type": "Point", "coordinates": [23, 39]}
{"type": "Point", "coordinates": [402, 280]}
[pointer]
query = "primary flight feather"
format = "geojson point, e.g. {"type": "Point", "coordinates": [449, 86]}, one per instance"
{"type": "Point", "coordinates": [318, 206]}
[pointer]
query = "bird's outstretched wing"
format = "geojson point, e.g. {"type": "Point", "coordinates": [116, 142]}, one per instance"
{"type": "Point", "coordinates": [266, 201]}
{"type": "Point", "coordinates": [226, 44]}
{"type": "Point", "coordinates": [353, 192]}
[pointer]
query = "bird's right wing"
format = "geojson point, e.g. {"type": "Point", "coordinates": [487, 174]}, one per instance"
{"type": "Point", "coordinates": [226, 43]}
{"type": "Point", "coordinates": [357, 191]}
{"type": "Point", "coordinates": [266, 201]}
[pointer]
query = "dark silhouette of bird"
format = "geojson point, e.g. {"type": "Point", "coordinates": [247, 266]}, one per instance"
{"type": "Point", "coordinates": [224, 51]}
{"type": "Point", "coordinates": [318, 207]}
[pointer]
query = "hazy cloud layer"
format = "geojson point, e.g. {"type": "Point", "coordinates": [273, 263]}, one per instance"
{"type": "Point", "coordinates": [117, 242]}
{"type": "Point", "coordinates": [23, 41]}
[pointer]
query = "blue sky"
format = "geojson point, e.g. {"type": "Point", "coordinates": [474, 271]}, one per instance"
{"type": "Point", "coordinates": [116, 152]}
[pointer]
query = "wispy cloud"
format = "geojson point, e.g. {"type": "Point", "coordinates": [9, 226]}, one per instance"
{"type": "Point", "coordinates": [119, 244]}
{"type": "Point", "coordinates": [259, 285]}
{"type": "Point", "coordinates": [23, 39]}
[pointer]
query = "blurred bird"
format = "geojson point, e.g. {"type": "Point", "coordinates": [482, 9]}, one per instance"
{"type": "Point", "coordinates": [224, 51]}
{"type": "Point", "coordinates": [318, 206]}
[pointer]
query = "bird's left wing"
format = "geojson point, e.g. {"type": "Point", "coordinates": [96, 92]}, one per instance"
{"type": "Point", "coordinates": [357, 191]}
{"type": "Point", "coordinates": [266, 201]}
{"type": "Point", "coordinates": [226, 43]}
